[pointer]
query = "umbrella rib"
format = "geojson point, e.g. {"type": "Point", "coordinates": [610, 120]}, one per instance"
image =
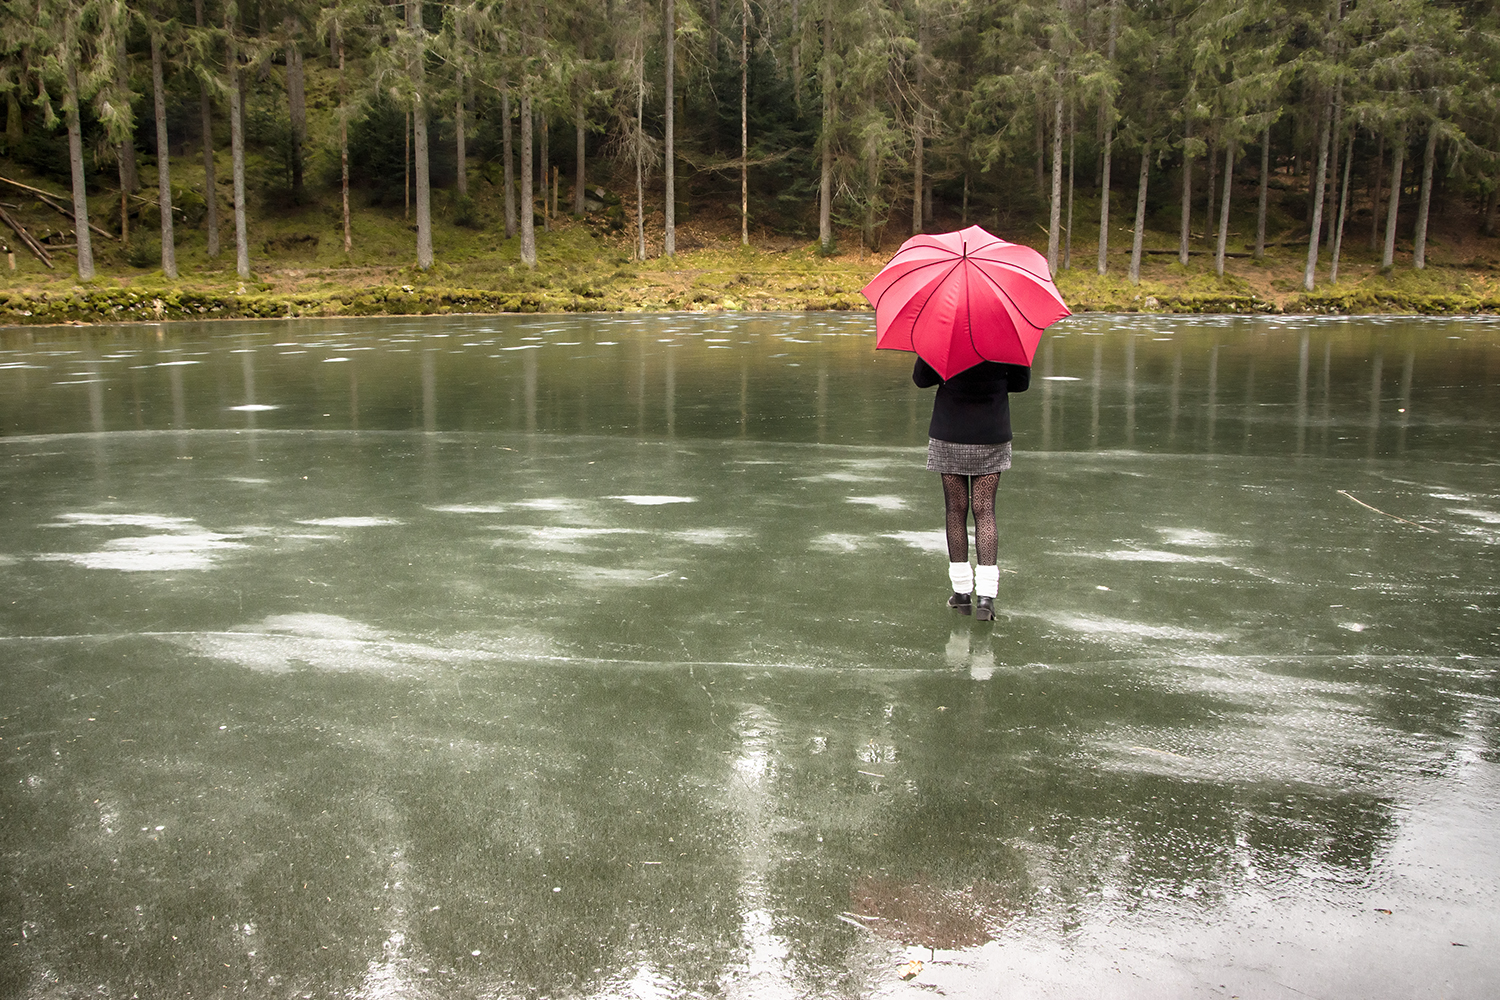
{"type": "Point", "coordinates": [915, 268]}
{"type": "Point", "coordinates": [955, 262]}
{"type": "Point", "coordinates": [1001, 289]}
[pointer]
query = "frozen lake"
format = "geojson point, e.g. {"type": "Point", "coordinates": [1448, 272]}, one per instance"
{"type": "Point", "coordinates": [607, 657]}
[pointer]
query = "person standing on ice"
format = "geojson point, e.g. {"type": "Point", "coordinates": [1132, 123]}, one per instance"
{"type": "Point", "coordinates": [969, 445]}
{"type": "Point", "coordinates": [972, 307]}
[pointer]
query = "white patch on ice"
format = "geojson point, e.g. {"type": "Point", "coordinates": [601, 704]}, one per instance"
{"type": "Point", "coordinates": [158, 521]}
{"type": "Point", "coordinates": [1106, 628]}
{"type": "Point", "coordinates": [649, 500]}
{"type": "Point", "coordinates": [843, 477]}
{"type": "Point", "coordinates": [281, 643]}
{"type": "Point", "coordinates": [597, 575]}
{"type": "Point", "coordinates": [1148, 555]}
{"type": "Point", "coordinates": [880, 503]}
{"type": "Point", "coordinates": [836, 542]}
{"type": "Point", "coordinates": [708, 536]}
{"type": "Point", "coordinates": [1192, 536]}
{"type": "Point", "coordinates": [254, 407]}
{"type": "Point", "coordinates": [471, 508]}
{"type": "Point", "coordinates": [547, 503]}
{"type": "Point", "coordinates": [320, 626]}
{"type": "Point", "coordinates": [350, 522]}
{"type": "Point", "coordinates": [925, 541]}
{"type": "Point", "coordinates": [1487, 516]}
{"type": "Point", "coordinates": [185, 550]}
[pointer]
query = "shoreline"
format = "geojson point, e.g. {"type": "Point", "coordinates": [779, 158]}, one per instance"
{"type": "Point", "coordinates": [100, 304]}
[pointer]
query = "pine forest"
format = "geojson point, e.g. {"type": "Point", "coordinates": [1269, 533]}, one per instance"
{"type": "Point", "coordinates": [1099, 131]}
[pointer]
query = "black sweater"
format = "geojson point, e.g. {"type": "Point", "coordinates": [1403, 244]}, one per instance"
{"type": "Point", "coordinates": [973, 407]}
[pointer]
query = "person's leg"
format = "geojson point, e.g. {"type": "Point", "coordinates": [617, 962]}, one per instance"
{"type": "Point", "coordinates": [960, 574]}
{"type": "Point", "coordinates": [986, 532]}
{"type": "Point", "coordinates": [987, 541]}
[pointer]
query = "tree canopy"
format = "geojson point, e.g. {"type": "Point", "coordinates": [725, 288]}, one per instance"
{"type": "Point", "coordinates": [867, 118]}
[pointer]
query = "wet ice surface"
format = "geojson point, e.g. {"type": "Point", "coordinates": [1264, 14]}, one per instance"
{"type": "Point", "coordinates": [613, 667]}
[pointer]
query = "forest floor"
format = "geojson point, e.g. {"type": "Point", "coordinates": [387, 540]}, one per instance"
{"type": "Point", "coordinates": [300, 268]}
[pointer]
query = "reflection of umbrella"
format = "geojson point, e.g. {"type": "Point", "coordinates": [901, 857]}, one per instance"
{"type": "Point", "coordinates": [957, 299]}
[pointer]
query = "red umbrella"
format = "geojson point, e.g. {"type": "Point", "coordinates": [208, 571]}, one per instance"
{"type": "Point", "coordinates": [957, 299]}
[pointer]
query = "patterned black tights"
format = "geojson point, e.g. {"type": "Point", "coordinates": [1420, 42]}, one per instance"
{"type": "Point", "coordinates": [959, 493]}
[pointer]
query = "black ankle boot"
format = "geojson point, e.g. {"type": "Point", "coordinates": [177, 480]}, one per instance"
{"type": "Point", "coordinates": [986, 612]}
{"type": "Point", "coordinates": [961, 603]}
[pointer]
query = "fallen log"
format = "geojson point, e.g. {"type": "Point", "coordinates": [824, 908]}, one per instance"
{"type": "Point", "coordinates": [26, 238]}
{"type": "Point", "coordinates": [47, 199]}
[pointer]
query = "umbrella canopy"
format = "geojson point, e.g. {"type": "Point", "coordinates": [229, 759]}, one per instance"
{"type": "Point", "coordinates": [957, 299]}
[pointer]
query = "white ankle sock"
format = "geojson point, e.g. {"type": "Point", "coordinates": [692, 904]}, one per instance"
{"type": "Point", "coordinates": [987, 581]}
{"type": "Point", "coordinates": [962, 577]}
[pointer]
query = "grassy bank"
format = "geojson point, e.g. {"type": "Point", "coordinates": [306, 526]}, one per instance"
{"type": "Point", "coordinates": [301, 269]}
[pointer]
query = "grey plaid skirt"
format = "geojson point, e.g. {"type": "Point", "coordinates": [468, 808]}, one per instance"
{"type": "Point", "coordinates": [967, 459]}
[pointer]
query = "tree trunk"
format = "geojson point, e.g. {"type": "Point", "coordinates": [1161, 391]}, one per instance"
{"type": "Point", "coordinates": [1041, 148]}
{"type": "Point", "coordinates": [418, 70]}
{"type": "Point", "coordinates": [338, 44]}
{"type": "Point", "coordinates": [917, 181]}
{"type": "Point", "coordinates": [1491, 203]}
{"type": "Point", "coordinates": [1054, 222]}
{"type": "Point", "coordinates": [1320, 176]}
{"type": "Point", "coordinates": [15, 127]}
{"type": "Point", "coordinates": [210, 188]}
{"type": "Point", "coordinates": [406, 165]}
{"type": "Point", "coordinates": [163, 162]}
{"type": "Point", "coordinates": [75, 162]}
{"type": "Point", "coordinates": [527, 205]}
{"type": "Point", "coordinates": [130, 176]}
{"type": "Point", "coordinates": [1187, 196]}
{"type": "Point", "coordinates": [797, 52]}
{"type": "Point", "coordinates": [237, 150]}
{"type": "Point", "coordinates": [580, 134]}
{"type": "Point", "coordinates": [744, 123]}
{"type": "Point", "coordinates": [1265, 180]}
{"type": "Point", "coordinates": [1429, 157]}
{"type": "Point", "coordinates": [543, 181]}
{"type": "Point", "coordinates": [509, 155]}
{"type": "Point", "coordinates": [461, 139]}
{"type": "Point", "coordinates": [296, 99]}
{"type": "Point", "coordinates": [669, 237]}
{"type": "Point", "coordinates": [1338, 229]}
{"type": "Point", "coordinates": [1109, 139]}
{"type": "Point", "coordinates": [1224, 208]}
{"type": "Point", "coordinates": [825, 181]}
{"type": "Point", "coordinates": [1209, 222]}
{"type": "Point", "coordinates": [713, 33]}
{"type": "Point", "coordinates": [1140, 216]}
{"type": "Point", "coordinates": [872, 183]}
{"type": "Point", "coordinates": [1388, 256]}
{"type": "Point", "coordinates": [1109, 136]}
{"type": "Point", "coordinates": [1330, 212]}
{"type": "Point", "coordinates": [1068, 225]}
{"type": "Point", "coordinates": [640, 154]}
